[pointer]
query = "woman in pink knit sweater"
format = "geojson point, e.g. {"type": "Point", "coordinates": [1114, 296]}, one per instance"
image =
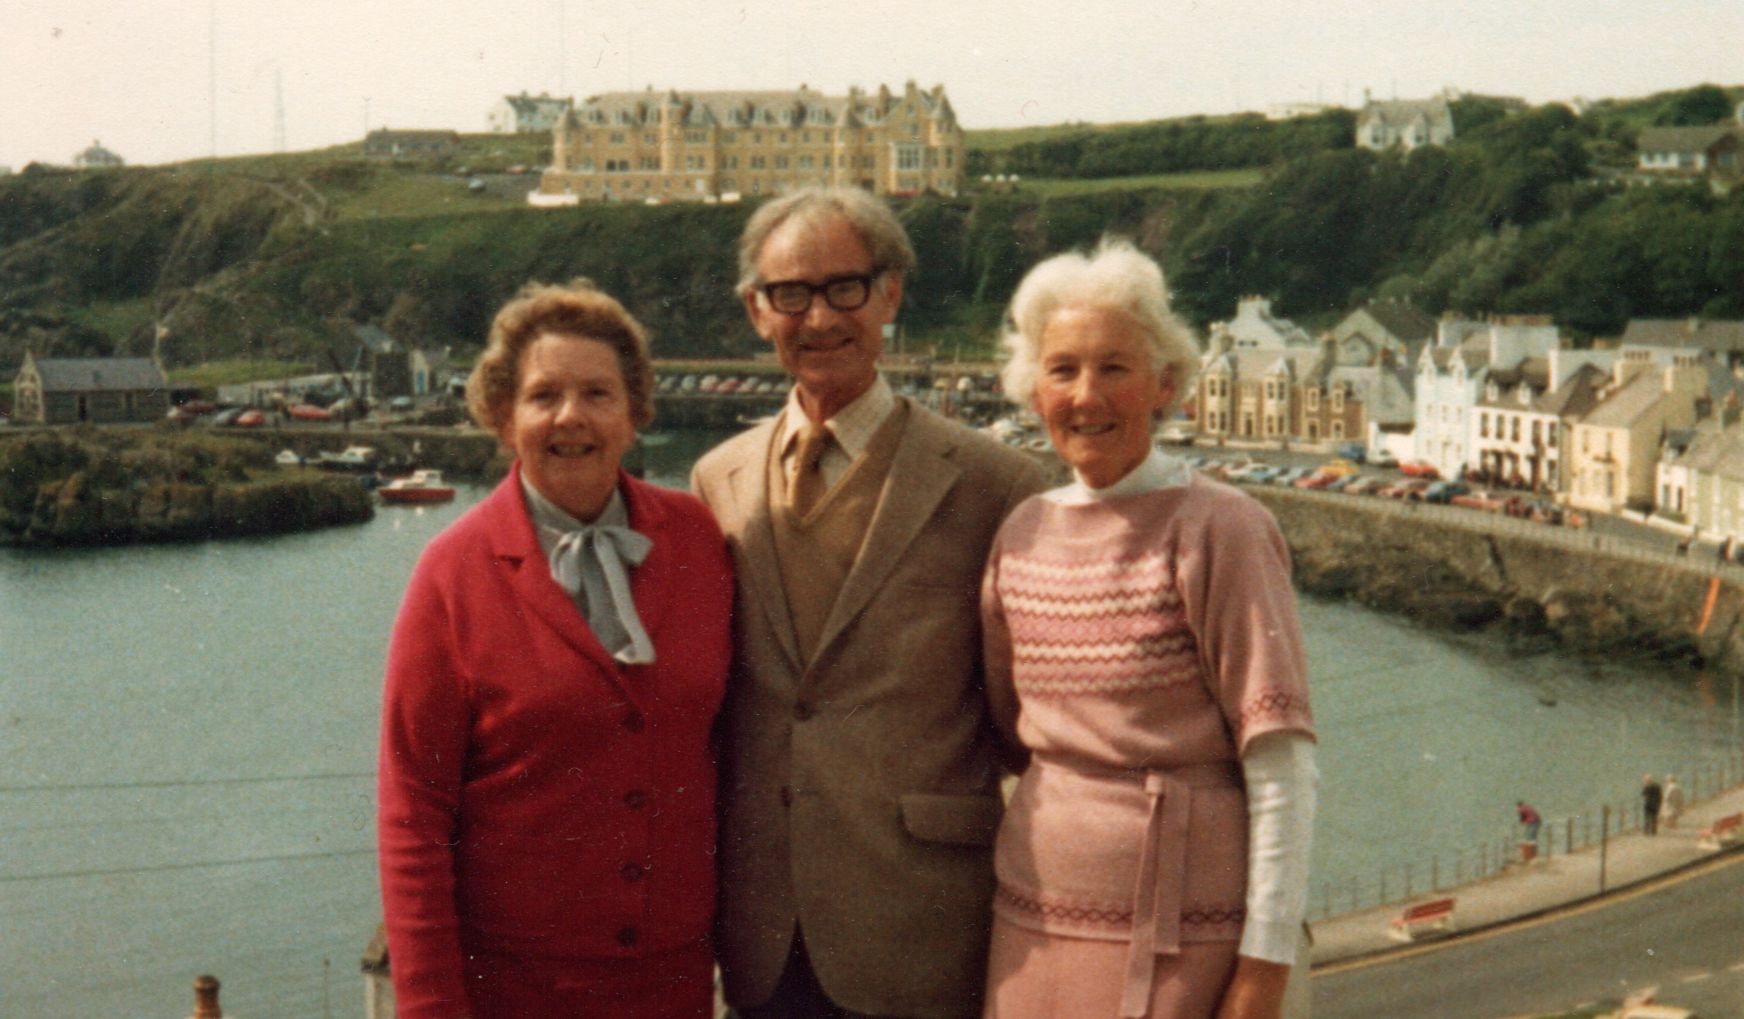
{"type": "Point", "coordinates": [1143, 647]}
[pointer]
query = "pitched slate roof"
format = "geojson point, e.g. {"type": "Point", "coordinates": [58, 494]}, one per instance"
{"type": "Point", "coordinates": [794, 108]}
{"type": "Point", "coordinates": [1576, 396]}
{"type": "Point", "coordinates": [1385, 391]}
{"type": "Point", "coordinates": [1401, 112]}
{"type": "Point", "coordinates": [1717, 335]}
{"type": "Point", "coordinates": [1402, 318]}
{"type": "Point", "coordinates": [1682, 139]}
{"type": "Point", "coordinates": [98, 374]}
{"type": "Point", "coordinates": [1623, 406]}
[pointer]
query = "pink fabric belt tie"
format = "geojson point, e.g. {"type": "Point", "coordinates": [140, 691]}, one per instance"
{"type": "Point", "coordinates": [1162, 870]}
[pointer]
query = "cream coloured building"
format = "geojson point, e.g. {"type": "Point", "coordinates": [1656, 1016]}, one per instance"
{"type": "Point", "coordinates": [1613, 452]}
{"type": "Point", "coordinates": [711, 146]}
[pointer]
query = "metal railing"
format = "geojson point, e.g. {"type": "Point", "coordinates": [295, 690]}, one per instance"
{"type": "Point", "coordinates": [1490, 855]}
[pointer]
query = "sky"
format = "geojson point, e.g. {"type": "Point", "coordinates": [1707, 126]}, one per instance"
{"type": "Point", "coordinates": [168, 80]}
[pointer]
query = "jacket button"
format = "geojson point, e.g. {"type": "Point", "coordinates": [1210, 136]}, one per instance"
{"type": "Point", "coordinates": [803, 710]}
{"type": "Point", "coordinates": [627, 936]}
{"type": "Point", "coordinates": [635, 799]}
{"type": "Point", "coordinates": [632, 871]}
{"type": "Point", "coordinates": [633, 721]}
{"type": "Point", "coordinates": [786, 796]}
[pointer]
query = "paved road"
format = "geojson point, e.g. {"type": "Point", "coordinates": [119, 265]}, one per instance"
{"type": "Point", "coordinates": [1684, 934]}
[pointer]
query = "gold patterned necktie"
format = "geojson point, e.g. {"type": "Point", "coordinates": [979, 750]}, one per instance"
{"type": "Point", "coordinates": [808, 476]}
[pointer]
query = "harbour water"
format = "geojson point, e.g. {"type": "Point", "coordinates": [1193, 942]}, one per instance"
{"type": "Point", "coordinates": [187, 747]}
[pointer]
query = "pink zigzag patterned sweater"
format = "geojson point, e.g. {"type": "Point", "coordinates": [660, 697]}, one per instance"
{"type": "Point", "coordinates": [1143, 636]}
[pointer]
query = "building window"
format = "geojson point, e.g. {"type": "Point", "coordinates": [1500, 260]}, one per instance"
{"type": "Point", "coordinates": [781, 162]}
{"type": "Point", "coordinates": [805, 162]}
{"type": "Point", "coordinates": [696, 137]}
{"type": "Point", "coordinates": [1313, 395]}
{"type": "Point", "coordinates": [729, 136]}
{"type": "Point", "coordinates": [908, 157]}
{"type": "Point", "coordinates": [1514, 431]}
{"type": "Point", "coordinates": [758, 162]}
{"type": "Point", "coordinates": [650, 138]}
{"type": "Point", "coordinates": [1483, 426]}
{"type": "Point", "coordinates": [617, 138]}
{"type": "Point", "coordinates": [650, 162]}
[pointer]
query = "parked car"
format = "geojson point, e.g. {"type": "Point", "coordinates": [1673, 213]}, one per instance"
{"type": "Point", "coordinates": [250, 418]}
{"type": "Point", "coordinates": [1288, 476]}
{"type": "Point", "coordinates": [1178, 433]}
{"type": "Point", "coordinates": [308, 412]}
{"type": "Point", "coordinates": [1363, 484]}
{"type": "Point", "coordinates": [226, 417]}
{"type": "Point", "coordinates": [1382, 458]}
{"type": "Point", "coordinates": [1444, 491]}
{"type": "Point", "coordinates": [400, 403]}
{"type": "Point", "coordinates": [1406, 488]}
{"type": "Point", "coordinates": [1480, 499]}
{"type": "Point", "coordinates": [1354, 451]}
{"type": "Point", "coordinates": [1419, 469]}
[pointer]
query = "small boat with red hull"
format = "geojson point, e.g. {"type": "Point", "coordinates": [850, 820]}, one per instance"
{"type": "Point", "coordinates": [424, 486]}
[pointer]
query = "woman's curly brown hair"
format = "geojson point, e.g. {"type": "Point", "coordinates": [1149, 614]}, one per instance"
{"type": "Point", "coordinates": [580, 310]}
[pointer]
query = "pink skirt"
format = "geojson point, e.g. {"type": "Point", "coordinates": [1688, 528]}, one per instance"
{"type": "Point", "coordinates": [1032, 975]}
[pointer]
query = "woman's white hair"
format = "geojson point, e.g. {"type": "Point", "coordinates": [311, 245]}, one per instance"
{"type": "Point", "coordinates": [1117, 276]}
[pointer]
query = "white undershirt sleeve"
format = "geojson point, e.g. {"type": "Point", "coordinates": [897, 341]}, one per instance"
{"type": "Point", "coordinates": [1282, 785]}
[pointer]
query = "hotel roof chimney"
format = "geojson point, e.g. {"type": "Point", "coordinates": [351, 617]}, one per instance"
{"type": "Point", "coordinates": [206, 999]}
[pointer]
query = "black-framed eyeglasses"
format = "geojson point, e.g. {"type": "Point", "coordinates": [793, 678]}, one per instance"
{"type": "Point", "coordinates": [843, 293]}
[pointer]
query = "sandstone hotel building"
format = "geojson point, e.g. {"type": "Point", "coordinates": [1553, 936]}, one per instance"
{"type": "Point", "coordinates": [713, 146]}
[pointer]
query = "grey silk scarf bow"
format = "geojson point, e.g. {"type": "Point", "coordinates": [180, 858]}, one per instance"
{"type": "Point", "coordinates": [595, 562]}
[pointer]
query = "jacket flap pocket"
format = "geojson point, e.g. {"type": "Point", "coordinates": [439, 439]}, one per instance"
{"type": "Point", "coordinates": [958, 820]}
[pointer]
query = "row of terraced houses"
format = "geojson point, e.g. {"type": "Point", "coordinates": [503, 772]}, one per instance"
{"type": "Point", "coordinates": [1644, 421]}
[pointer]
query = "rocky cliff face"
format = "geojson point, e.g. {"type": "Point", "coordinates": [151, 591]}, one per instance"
{"type": "Point", "coordinates": [1465, 570]}
{"type": "Point", "coordinates": [74, 511]}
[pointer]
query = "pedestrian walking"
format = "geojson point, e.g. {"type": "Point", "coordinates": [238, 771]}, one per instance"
{"type": "Point", "coordinates": [1651, 797]}
{"type": "Point", "coordinates": [1671, 807]}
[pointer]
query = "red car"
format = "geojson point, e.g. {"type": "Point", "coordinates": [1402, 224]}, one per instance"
{"type": "Point", "coordinates": [1419, 469]}
{"type": "Point", "coordinates": [250, 419]}
{"type": "Point", "coordinates": [309, 412]}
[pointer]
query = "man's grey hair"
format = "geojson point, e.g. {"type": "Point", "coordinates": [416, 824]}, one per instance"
{"type": "Point", "coordinates": [1117, 276]}
{"type": "Point", "coordinates": [867, 215]}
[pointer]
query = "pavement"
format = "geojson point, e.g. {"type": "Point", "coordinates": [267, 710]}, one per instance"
{"type": "Point", "coordinates": [1525, 890]}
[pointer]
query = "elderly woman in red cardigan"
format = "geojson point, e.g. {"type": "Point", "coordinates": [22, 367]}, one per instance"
{"type": "Point", "coordinates": [1142, 644]}
{"type": "Point", "coordinates": [546, 787]}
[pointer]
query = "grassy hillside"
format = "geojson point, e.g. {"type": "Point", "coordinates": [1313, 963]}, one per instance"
{"type": "Point", "coordinates": [272, 259]}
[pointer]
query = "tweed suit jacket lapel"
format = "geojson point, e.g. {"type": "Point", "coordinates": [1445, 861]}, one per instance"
{"type": "Point", "coordinates": [920, 475]}
{"type": "Point", "coordinates": [749, 482]}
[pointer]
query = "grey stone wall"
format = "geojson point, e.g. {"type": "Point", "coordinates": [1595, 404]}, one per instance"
{"type": "Point", "coordinates": [1464, 569]}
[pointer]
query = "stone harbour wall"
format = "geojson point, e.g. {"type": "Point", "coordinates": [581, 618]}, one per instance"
{"type": "Point", "coordinates": [1458, 568]}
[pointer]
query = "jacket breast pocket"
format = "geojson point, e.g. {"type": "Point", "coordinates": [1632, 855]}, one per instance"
{"type": "Point", "coordinates": [951, 818]}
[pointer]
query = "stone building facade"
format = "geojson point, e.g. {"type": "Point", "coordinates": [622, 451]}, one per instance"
{"type": "Point", "coordinates": [714, 146]}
